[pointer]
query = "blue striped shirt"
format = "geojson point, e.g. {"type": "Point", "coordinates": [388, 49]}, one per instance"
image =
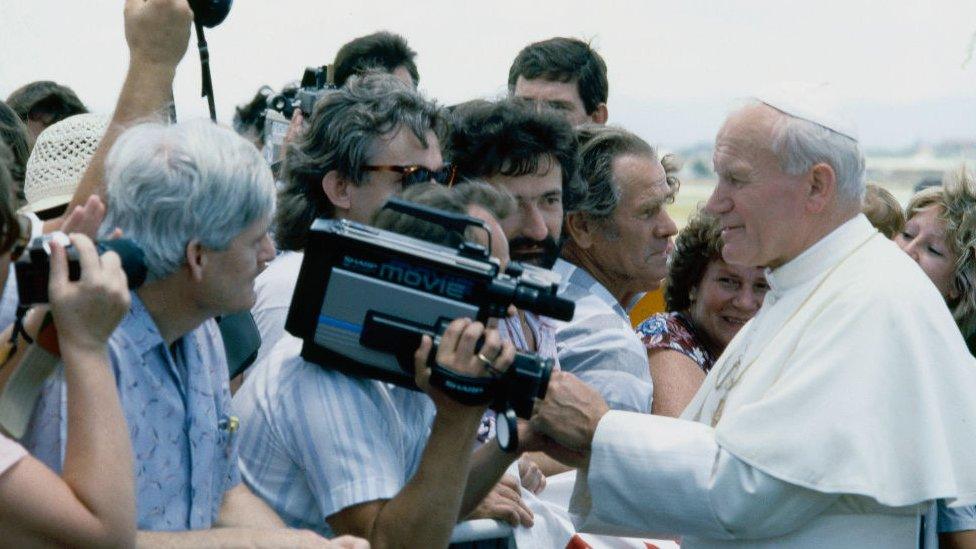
{"type": "Point", "coordinates": [315, 441]}
{"type": "Point", "coordinates": [599, 345]}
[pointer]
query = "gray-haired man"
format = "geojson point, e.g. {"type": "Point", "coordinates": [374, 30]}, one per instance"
{"type": "Point", "coordinates": [202, 220]}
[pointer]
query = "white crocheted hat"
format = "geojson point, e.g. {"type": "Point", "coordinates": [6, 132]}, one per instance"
{"type": "Point", "coordinates": [59, 158]}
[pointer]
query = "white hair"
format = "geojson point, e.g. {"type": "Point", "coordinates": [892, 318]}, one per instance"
{"type": "Point", "coordinates": [168, 185]}
{"type": "Point", "coordinates": [800, 144]}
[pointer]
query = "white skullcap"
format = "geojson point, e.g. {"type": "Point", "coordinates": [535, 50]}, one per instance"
{"type": "Point", "coordinates": [815, 103]}
{"type": "Point", "coordinates": [60, 156]}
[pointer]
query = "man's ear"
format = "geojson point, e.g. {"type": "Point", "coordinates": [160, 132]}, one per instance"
{"type": "Point", "coordinates": [336, 189]}
{"type": "Point", "coordinates": [822, 187]}
{"type": "Point", "coordinates": [580, 228]}
{"type": "Point", "coordinates": [196, 259]}
{"type": "Point", "coordinates": [600, 115]}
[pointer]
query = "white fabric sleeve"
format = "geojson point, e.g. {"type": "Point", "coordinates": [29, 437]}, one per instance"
{"type": "Point", "coordinates": [659, 476]}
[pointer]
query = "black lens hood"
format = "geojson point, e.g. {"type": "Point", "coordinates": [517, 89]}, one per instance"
{"type": "Point", "coordinates": [210, 13]}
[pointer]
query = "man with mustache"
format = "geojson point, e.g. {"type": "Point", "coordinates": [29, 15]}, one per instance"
{"type": "Point", "coordinates": [534, 155]}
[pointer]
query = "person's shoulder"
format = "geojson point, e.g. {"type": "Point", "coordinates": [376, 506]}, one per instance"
{"type": "Point", "coordinates": [658, 324]}
{"type": "Point", "coordinates": [277, 282]}
{"type": "Point", "coordinates": [885, 275]}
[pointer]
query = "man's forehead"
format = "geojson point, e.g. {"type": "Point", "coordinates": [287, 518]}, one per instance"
{"type": "Point", "coordinates": [530, 186]}
{"type": "Point", "coordinates": [546, 90]}
{"type": "Point", "coordinates": [402, 147]}
{"type": "Point", "coordinates": [745, 137]}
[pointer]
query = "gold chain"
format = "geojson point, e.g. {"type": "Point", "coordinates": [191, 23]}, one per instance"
{"type": "Point", "coordinates": [729, 377]}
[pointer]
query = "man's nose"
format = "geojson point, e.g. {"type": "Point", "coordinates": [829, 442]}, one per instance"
{"type": "Point", "coordinates": [534, 224]}
{"type": "Point", "coordinates": [267, 251]}
{"type": "Point", "coordinates": [718, 203]}
{"type": "Point", "coordinates": [666, 228]}
{"type": "Point", "coordinates": [747, 299]}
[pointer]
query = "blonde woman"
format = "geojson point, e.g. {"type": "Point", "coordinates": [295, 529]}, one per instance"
{"type": "Point", "coordinates": [940, 235]}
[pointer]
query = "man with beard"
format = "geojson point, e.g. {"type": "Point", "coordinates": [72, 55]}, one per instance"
{"type": "Point", "coordinates": [534, 155]}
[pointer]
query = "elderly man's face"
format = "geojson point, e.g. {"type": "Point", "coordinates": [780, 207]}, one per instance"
{"type": "Point", "coordinates": [759, 207]}
{"type": "Point", "coordinates": [633, 246]}
{"type": "Point", "coordinates": [228, 275]}
{"type": "Point", "coordinates": [397, 148]}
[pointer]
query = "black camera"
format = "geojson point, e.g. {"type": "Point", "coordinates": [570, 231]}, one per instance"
{"type": "Point", "coordinates": [314, 85]}
{"type": "Point", "coordinates": [365, 297]}
{"type": "Point", "coordinates": [34, 266]}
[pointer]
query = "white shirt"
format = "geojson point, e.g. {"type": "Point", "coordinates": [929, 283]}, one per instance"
{"type": "Point", "coordinates": [314, 441]}
{"type": "Point", "coordinates": [274, 288]}
{"type": "Point", "coordinates": [852, 412]}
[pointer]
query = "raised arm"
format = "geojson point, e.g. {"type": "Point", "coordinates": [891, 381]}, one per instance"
{"type": "Point", "coordinates": [93, 503]}
{"type": "Point", "coordinates": [157, 32]}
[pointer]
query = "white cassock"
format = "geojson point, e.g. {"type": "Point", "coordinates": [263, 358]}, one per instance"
{"type": "Point", "coordinates": [833, 418]}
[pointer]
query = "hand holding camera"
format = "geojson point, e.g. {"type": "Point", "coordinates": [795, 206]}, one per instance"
{"type": "Point", "coordinates": [86, 312]}
{"type": "Point", "coordinates": [458, 351]}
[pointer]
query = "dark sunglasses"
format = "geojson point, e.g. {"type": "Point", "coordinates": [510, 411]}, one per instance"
{"type": "Point", "coordinates": [419, 174]}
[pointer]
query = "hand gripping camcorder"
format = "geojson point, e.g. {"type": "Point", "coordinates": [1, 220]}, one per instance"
{"type": "Point", "coordinates": [365, 297]}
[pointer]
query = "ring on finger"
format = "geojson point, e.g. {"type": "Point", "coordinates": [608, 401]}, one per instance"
{"type": "Point", "coordinates": [488, 364]}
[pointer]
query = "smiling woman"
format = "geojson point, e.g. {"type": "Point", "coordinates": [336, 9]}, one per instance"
{"type": "Point", "coordinates": [708, 302]}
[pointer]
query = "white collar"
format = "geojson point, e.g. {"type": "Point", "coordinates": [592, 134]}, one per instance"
{"type": "Point", "coordinates": [820, 257]}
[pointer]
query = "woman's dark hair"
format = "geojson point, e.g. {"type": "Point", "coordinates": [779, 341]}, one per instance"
{"type": "Point", "coordinates": [14, 134]}
{"type": "Point", "coordinates": [696, 245]}
{"type": "Point", "coordinates": [45, 100]}
{"type": "Point", "coordinates": [9, 227]}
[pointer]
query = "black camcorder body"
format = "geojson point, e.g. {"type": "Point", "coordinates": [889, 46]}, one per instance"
{"type": "Point", "coordinates": [365, 296]}
{"type": "Point", "coordinates": [33, 268]}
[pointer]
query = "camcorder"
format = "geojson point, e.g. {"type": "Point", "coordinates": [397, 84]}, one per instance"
{"type": "Point", "coordinates": [33, 268]}
{"type": "Point", "coordinates": [366, 296]}
{"type": "Point", "coordinates": [316, 83]}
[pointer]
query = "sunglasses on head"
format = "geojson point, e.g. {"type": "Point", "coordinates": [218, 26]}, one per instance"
{"type": "Point", "coordinates": [415, 173]}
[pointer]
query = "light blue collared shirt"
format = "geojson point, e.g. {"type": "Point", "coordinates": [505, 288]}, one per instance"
{"type": "Point", "coordinates": [177, 406]}
{"type": "Point", "coordinates": [599, 345]}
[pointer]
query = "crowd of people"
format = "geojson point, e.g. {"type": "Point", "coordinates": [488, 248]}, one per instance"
{"type": "Point", "coordinates": [808, 382]}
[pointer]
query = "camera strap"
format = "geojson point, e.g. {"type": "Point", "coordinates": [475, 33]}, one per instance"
{"type": "Point", "coordinates": [205, 79]}
{"type": "Point", "coordinates": [464, 389]}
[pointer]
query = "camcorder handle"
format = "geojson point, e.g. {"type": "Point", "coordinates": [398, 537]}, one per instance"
{"type": "Point", "coordinates": [401, 338]}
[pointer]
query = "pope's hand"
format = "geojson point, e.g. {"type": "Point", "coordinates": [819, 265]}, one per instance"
{"type": "Point", "coordinates": [570, 413]}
